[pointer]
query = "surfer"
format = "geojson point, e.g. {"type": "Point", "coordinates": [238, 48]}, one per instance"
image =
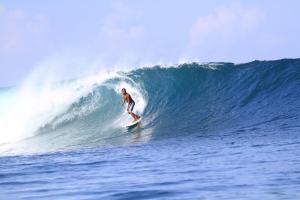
{"type": "Point", "coordinates": [127, 98]}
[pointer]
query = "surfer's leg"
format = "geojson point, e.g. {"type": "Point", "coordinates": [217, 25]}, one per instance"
{"type": "Point", "coordinates": [135, 117]}
{"type": "Point", "coordinates": [132, 106]}
{"type": "Point", "coordinates": [129, 109]}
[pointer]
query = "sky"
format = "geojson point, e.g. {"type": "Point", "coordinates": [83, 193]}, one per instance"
{"type": "Point", "coordinates": [78, 36]}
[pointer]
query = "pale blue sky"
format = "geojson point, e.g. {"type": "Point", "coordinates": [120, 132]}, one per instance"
{"type": "Point", "coordinates": [74, 34]}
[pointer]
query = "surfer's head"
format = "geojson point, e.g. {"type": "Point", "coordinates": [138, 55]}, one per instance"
{"type": "Point", "coordinates": [123, 91]}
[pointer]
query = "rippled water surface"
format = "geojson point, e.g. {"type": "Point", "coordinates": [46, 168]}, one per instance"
{"type": "Point", "coordinates": [232, 165]}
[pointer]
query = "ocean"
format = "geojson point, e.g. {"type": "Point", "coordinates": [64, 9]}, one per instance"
{"type": "Point", "coordinates": [209, 131]}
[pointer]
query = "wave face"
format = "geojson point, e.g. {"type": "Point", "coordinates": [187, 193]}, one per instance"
{"type": "Point", "coordinates": [174, 101]}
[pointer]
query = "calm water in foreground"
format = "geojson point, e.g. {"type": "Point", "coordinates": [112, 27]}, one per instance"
{"type": "Point", "coordinates": [244, 164]}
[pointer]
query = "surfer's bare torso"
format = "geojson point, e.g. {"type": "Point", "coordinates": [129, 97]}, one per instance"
{"type": "Point", "coordinates": [127, 98]}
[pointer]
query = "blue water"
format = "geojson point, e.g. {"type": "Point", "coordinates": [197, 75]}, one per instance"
{"type": "Point", "coordinates": [213, 131]}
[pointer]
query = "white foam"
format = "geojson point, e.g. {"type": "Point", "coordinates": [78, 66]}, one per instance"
{"type": "Point", "coordinates": [37, 103]}
{"type": "Point", "coordinates": [40, 99]}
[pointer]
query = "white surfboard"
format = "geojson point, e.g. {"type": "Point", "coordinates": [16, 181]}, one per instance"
{"type": "Point", "coordinates": [132, 124]}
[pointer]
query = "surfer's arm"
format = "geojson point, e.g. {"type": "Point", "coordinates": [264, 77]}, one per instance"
{"type": "Point", "coordinates": [124, 100]}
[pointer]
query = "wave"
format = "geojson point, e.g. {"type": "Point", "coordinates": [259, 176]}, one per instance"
{"type": "Point", "coordinates": [174, 101]}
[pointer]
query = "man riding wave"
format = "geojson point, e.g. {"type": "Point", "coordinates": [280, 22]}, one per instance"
{"type": "Point", "coordinates": [127, 98]}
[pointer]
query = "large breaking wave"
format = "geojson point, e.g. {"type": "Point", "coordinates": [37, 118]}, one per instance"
{"type": "Point", "coordinates": [174, 101]}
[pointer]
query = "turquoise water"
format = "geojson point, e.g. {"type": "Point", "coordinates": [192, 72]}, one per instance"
{"type": "Point", "coordinates": [214, 131]}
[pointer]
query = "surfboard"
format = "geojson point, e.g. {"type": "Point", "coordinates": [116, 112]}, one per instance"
{"type": "Point", "coordinates": [133, 124]}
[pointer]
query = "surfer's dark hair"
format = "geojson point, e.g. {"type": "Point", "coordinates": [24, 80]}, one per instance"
{"type": "Point", "coordinates": [123, 89]}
